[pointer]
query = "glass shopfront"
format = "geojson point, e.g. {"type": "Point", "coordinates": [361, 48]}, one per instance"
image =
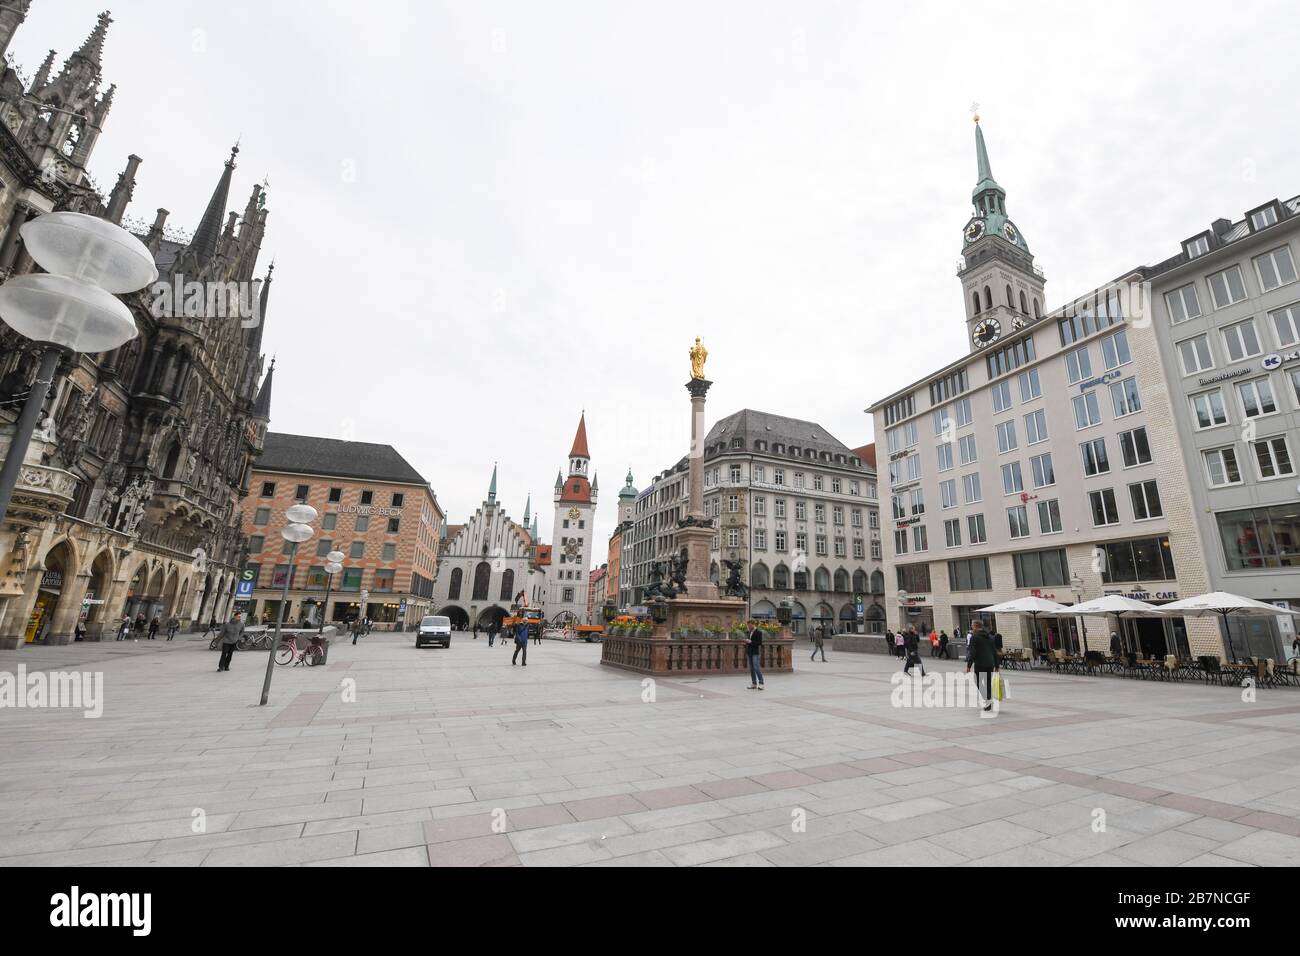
{"type": "Point", "coordinates": [1260, 538]}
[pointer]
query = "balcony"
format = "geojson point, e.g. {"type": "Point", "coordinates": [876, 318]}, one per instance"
{"type": "Point", "coordinates": [41, 493]}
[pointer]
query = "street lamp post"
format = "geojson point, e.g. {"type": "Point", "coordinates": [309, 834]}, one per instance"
{"type": "Point", "coordinates": [335, 565]}
{"type": "Point", "coordinates": [1076, 587]}
{"type": "Point", "coordinates": [295, 532]}
{"type": "Point", "coordinates": [70, 307]}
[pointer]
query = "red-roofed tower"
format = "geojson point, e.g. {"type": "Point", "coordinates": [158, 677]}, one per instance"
{"type": "Point", "coordinates": [571, 550]}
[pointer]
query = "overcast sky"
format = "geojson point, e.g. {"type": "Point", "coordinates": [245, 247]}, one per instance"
{"type": "Point", "coordinates": [488, 216]}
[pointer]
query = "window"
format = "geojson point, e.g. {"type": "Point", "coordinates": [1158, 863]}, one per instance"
{"type": "Point", "coordinates": [1078, 365]}
{"type": "Point", "coordinates": [971, 488]}
{"type": "Point", "coordinates": [268, 489]}
{"type": "Point", "coordinates": [733, 537]}
{"type": "Point", "coordinates": [1012, 481]}
{"type": "Point", "coordinates": [1263, 218]}
{"type": "Point", "coordinates": [948, 493]}
{"type": "Point", "coordinates": [780, 507]}
{"type": "Point", "coordinates": [399, 498]}
{"type": "Point", "coordinates": [1197, 247]}
{"type": "Point", "coordinates": [801, 541]}
{"type": "Point", "coordinates": [390, 553]}
{"type": "Point", "coordinates": [1006, 436]}
{"type": "Point", "coordinates": [760, 505]}
{"type": "Point", "coordinates": [1295, 385]}
{"type": "Point", "coordinates": [918, 501]}
{"type": "Point", "coordinates": [944, 453]}
{"type": "Point", "coordinates": [817, 482]}
{"type": "Point", "coordinates": [336, 495]}
{"type": "Point", "coordinates": [367, 497]}
{"type": "Point", "coordinates": [1240, 341]}
{"type": "Point", "coordinates": [1036, 427]}
{"type": "Point", "coordinates": [914, 578]}
{"type": "Point", "coordinates": [1049, 516]}
{"type": "Point", "coordinates": [1095, 461]}
{"type": "Point", "coordinates": [875, 550]}
{"type": "Point", "coordinates": [837, 515]}
{"type": "Point", "coordinates": [1042, 569]}
{"type": "Point", "coordinates": [1044, 473]}
{"type": "Point", "coordinates": [1029, 387]}
{"type": "Point", "coordinates": [952, 533]}
{"type": "Point", "coordinates": [1146, 559]}
{"type": "Point", "coordinates": [1257, 398]}
{"type": "Point", "coordinates": [801, 511]}
{"type": "Point", "coordinates": [1182, 304]}
{"type": "Point", "coordinates": [1260, 538]}
{"type": "Point", "coordinates": [760, 473]}
{"type": "Point", "coordinates": [733, 504]}
{"type": "Point", "coordinates": [323, 547]}
{"type": "Point", "coordinates": [780, 541]}
{"type": "Point", "coordinates": [919, 539]}
{"type": "Point", "coordinates": [1273, 455]}
{"type": "Point", "coordinates": [975, 529]}
{"type": "Point", "coordinates": [1086, 411]}
{"type": "Point", "coordinates": [899, 506]}
{"type": "Point", "coordinates": [1194, 353]}
{"type": "Point", "coordinates": [950, 386]}
{"type": "Point", "coordinates": [329, 522]}
{"type": "Point", "coordinates": [1286, 324]}
{"type": "Point", "coordinates": [357, 550]}
{"type": "Point", "coordinates": [819, 513]}
{"type": "Point", "coordinates": [1275, 269]}
{"type": "Point", "coordinates": [941, 418]}
{"type": "Point", "coordinates": [835, 486]}
{"type": "Point", "coordinates": [1134, 447]}
{"type": "Point", "coordinates": [798, 477]}
{"type": "Point", "coordinates": [256, 543]}
{"type": "Point", "coordinates": [1001, 396]}
{"type": "Point", "coordinates": [261, 517]}
{"type": "Point", "coordinates": [1018, 521]}
{"type": "Point", "coordinates": [1114, 350]}
{"type": "Point", "coordinates": [966, 452]}
{"type": "Point", "coordinates": [778, 476]}
{"type": "Point", "coordinates": [964, 414]}
{"type": "Point", "coordinates": [363, 523]}
{"type": "Point", "coordinates": [1124, 397]}
{"type": "Point", "coordinates": [1209, 409]}
{"type": "Point", "coordinates": [1221, 466]}
{"type": "Point", "coordinates": [1146, 500]}
{"type": "Point", "coordinates": [1103, 507]}
{"type": "Point", "coordinates": [900, 541]}
{"type": "Point", "coordinates": [1227, 287]}
{"type": "Point", "coordinates": [855, 516]}
{"type": "Point", "coordinates": [857, 548]}
{"type": "Point", "coordinates": [1009, 358]}
{"type": "Point", "coordinates": [281, 575]}
{"type": "Point", "coordinates": [300, 493]}
{"type": "Point", "coordinates": [760, 539]}
{"type": "Point", "coordinates": [972, 574]}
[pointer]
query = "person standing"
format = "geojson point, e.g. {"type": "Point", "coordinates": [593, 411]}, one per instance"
{"type": "Point", "coordinates": [819, 637]}
{"type": "Point", "coordinates": [521, 642]}
{"type": "Point", "coordinates": [982, 657]}
{"type": "Point", "coordinates": [231, 631]}
{"type": "Point", "coordinates": [79, 631]}
{"type": "Point", "coordinates": [1116, 648]}
{"type": "Point", "coordinates": [899, 642]}
{"type": "Point", "coordinates": [124, 629]}
{"type": "Point", "coordinates": [173, 624]}
{"type": "Point", "coordinates": [912, 645]}
{"type": "Point", "coordinates": [754, 651]}
{"type": "Point", "coordinates": [492, 633]}
{"type": "Point", "coordinates": [943, 644]}
{"type": "Point", "coordinates": [934, 643]}
{"type": "Point", "coordinates": [476, 630]}
{"type": "Point", "coordinates": [139, 625]}
{"type": "Point", "coordinates": [153, 628]}
{"type": "Point", "coordinates": [356, 629]}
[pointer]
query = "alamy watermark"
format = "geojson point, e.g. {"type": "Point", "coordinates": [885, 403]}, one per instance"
{"type": "Point", "coordinates": [74, 690]}
{"type": "Point", "coordinates": [947, 689]}
{"type": "Point", "coordinates": [177, 298]}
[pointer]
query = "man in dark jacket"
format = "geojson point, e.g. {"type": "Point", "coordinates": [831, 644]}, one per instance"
{"type": "Point", "coordinates": [754, 650]}
{"type": "Point", "coordinates": [521, 642]}
{"type": "Point", "coordinates": [982, 657]}
{"type": "Point", "coordinates": [943, 644]}
{"type": "Point", "coordinates": [912, 645]}
{"type": "Point", "coordinates": [231, 631]}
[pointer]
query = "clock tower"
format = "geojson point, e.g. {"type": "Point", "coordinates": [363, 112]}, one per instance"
{"type": "Point", "coordinates": [571, 542]}
{"type": "Point", "coordinates": [1002, 286]}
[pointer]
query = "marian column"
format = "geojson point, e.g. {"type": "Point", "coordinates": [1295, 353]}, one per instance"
{"type": "Point", "coordinates": [695, 532]}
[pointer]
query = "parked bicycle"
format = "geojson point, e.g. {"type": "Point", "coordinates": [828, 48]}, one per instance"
{"type": "Point", "coordinates": [310, 655]}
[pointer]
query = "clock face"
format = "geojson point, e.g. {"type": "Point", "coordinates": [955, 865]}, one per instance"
{"type": "Point", "coordinates": [1009, 231]}
{"type": "Point", "coordinates": [986, 333]}
{"type": "Point", "coordinates": [974, 230]}
{"type": "Point", "coordinates": [574, 514]}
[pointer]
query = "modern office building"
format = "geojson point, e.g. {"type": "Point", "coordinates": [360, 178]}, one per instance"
{"type": "Point", "coordinates": [1226, 314]}
{"type": "Point", "coordinates": [1045, 462]}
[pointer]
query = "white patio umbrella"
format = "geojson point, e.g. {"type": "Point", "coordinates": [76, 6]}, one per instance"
{"type": "Point", "coordinates": [1032, 606]}
{"type": "Point", "coordinates": [1225, 605]}
{"type": "Point", "coordinates": [1116, 604]}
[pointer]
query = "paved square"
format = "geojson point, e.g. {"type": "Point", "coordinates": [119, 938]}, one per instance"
{"type": "Point", "coordinates": [392, 756]}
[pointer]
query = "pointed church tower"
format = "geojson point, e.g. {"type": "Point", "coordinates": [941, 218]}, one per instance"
{"type": "Point", "coordinates": [571, 541]}
{"type": "Point", "coordinates": [1003, 288]}
{"type": "Point", "coordinates": [196, 257]}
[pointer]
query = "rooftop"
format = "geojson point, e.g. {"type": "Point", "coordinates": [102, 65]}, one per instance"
{"type": "Point", "coordinates": [334, 458]}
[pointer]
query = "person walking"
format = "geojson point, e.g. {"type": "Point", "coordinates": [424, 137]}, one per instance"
{"type": "Point", "coordinates": [356, 629]}
{"type": "Point", "coordinates": [139, 625]}
{"type": "Point", "coordinates": [173, 624]}
{"type": "Point", "coordinates": [521, 642]}
{"type": "Point", "coordinates": [153, 628]}
{"type": "Point", "coordinates": [943, 644]}
{"type": "Point", "coordinates": [912, 644]}
{"type": "Point", "coordinates": [819, 637]}
{"type": "Point", "coordinates": [124, 629]}
{"type": "Point", "coordinates": [934, 643]}
{"type": "Point", "coordinates": [492, 634]}
{"type": "Point", "coordinates": [231, 631]}
{"type": "Point", "coordinates": [982, 657]}
{"type": "Point", "coordinates": [79, 632]}
{"type": "Point", "coordinates": [754, 651]}
{"type": "Point", "coordinates": [899, 642]}
{"type": "Point", "coordinates": [476, 630]}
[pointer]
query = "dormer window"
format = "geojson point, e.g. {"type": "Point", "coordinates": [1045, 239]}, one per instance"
{"type": "Point", "coordinates": [1197, 247]}
{"type": "Point", "coordinates": [1263, 218]}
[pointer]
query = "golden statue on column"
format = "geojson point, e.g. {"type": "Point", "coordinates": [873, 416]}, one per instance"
{"type": "Point", "coordinates": [698, 354]}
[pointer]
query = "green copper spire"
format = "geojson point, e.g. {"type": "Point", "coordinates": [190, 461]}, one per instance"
{"type": "Point", "coordinates": [986, 180]}
{"type": "Point", "coordinates": [492, 488]}
{"type": "Point", "coordinates": [528, 510]}
{"type": "Point", "coordinates": [990, 200]}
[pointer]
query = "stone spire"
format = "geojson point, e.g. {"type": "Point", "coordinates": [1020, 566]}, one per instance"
{"type": "Point", "coordinates": [204, 244]}
{"type": "Point", "coordinates": [492, 488]}
{"type": "Point", "coordinates": [93, 48]}
{"type": "Point", "coordinates": [262, 407]}
{"type": "Point", "coordinates": [123, 191]}
{"type": "Point", "coordinates": [42, 78]}
{"type": "Point", "coordinates": [528, 510]}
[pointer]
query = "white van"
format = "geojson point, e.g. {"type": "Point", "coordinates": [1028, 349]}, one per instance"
{"type": "Point", "coordinates": [433, 629]}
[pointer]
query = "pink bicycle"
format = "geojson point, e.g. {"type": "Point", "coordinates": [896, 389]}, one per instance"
{"type": "Point", "coordinates": [311, 655]}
